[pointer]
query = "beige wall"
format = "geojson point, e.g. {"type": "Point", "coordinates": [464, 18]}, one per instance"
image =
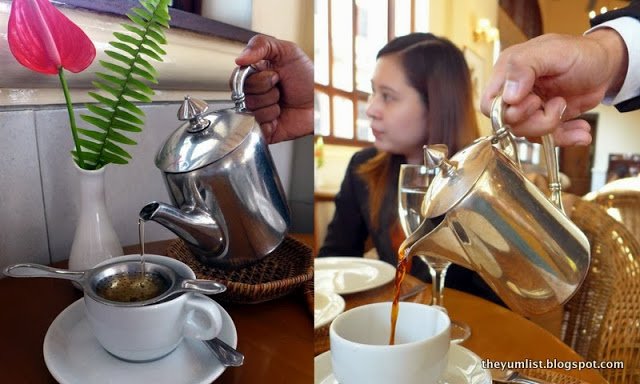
{"type": "Point", "coordinates": [570, 16]}
{"type": "Point", "coordinates": [285, 19]}
{"type": "Point", "coordinates": [456, 21]}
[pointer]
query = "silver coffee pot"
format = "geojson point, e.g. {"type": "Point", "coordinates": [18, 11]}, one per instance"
{"type": "Point", "coordinates": [499, 224]}
{"type": "Point", "coordinates": [228, 204]}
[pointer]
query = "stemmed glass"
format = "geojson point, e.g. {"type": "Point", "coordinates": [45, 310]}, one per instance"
{"type": "Point", "coordinates": [412, 188]}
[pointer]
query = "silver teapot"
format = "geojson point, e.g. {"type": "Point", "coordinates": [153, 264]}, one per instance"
{"type": "Point", "coordinates": [499, 224]}
{"type": "Point", "coordinates": [228, 204]}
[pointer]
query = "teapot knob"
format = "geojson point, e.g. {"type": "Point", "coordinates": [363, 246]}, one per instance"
{"type": "Point", "coordinates": [192, 110]}
{"type": "Point", "coordinates": [435, 156]}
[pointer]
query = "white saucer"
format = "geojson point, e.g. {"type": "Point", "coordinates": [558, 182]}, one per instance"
{"type": "Point", "coordinates": [326, 306]}
{"type": "Point", "coordinates": [345, 275]}
{"type": "Point", "coordinates": [465, 367]}
{"type": "Point", "coordinates": [73, 355]}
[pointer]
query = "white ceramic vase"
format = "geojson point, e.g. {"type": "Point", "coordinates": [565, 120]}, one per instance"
{"type": "Point", "coordinates": [95, 239]}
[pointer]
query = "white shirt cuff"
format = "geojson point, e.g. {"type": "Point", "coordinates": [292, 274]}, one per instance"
{"type": "Point", "coordinates": [629, 30]}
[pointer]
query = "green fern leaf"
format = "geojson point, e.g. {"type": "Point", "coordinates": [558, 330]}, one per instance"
{"type": "Point", "coordinates": [96, 110]}
{"type": "Point", "coordinates": [93, 146]}
{"type": "Point", "coordinates": [139, 85]}
{"type": "Point", "coordinates": [125, 47]}
{"type": "Point", "coordinates": [108, 157]}
{"type": "Point", "coordinates": [144, 64]}
{"type": "Point", "coordinates": [150, 53]}
{"type": "Point", "coordinates": [144, 14]}
{"type": "Point", "coordinates": [127, 38]}
{"type": "Point", "coordinates": [136, 95]}
{"type": "Point", "coordinates": [116, 150]}
{"type": "Point", "coordinates": [120, 138]}
{"type": "Point", "coordinates": [141, 72]}
{"type": "Point", "coordinates": [97, 136]}
{"type": "Point", "coordinates": [117, 81]}
{"type": "Point", "coordinates": [126, 116]}
{"type": "Point", "coordinates": [106, 88]}
{"type": "Point", "coordinates": [157, 36]}
{"type": "Point", "coordinates": [134, 29]}
{"type": "Point", "coordinates": [129, 106]}
{"type": "Point", "coordinates": [150, 44]}
{"type": "Point", "coordinates": [126, 79]}
{"type": "Point", "coordinates": [104, 100]}
{"type": "Point", "coordinates": [99, 123]}
{"type": "Point", "coordinates": [149, 7]}
{"type": "Point", "coordinates": [125, 126]}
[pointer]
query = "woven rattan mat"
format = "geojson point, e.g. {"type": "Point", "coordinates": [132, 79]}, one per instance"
{"type": "Point", "coordinates": [288, 268]}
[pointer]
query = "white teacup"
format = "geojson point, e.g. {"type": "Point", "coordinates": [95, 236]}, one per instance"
{"type": "Point", "coordinates": [150, 332]}
{"type": "Point", "coordinates": [360, 350]}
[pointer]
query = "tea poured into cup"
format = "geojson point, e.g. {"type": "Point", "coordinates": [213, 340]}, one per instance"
{"type": "Point", "coordinates": [360, 350]}
{"type": "Point", "coordinates": [132, 287]}
{"type": "Point", "coordinates": [149, 332]}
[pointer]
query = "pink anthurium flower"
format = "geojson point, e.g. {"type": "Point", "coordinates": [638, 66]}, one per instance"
{"type": "Point", "coordinates": [44, 40]}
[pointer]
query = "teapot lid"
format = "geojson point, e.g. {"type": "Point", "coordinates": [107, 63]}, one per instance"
{"type": "Point", "coordinates": [457, 175]}
{"type": "Point", "coordinates": [205, 138]}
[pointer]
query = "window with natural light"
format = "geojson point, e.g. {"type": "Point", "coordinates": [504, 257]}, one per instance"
{"type": "Point", "coordinates": [348, 34]}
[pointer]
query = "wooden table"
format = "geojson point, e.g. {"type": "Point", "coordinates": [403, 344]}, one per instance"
{"type": "Point", "coordinates": [276, 337]}
{"type": "Point", "coordinates": [497, 333]}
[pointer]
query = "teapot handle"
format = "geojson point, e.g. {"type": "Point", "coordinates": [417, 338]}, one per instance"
{"type": "Point", "coordinates": [239, 75]}
{"type": "Point", "coordinates": [553, 171]}
{"type": "Point", "coordinates": [504, 138]}
{"type": "Point", "coordinates": [502, 134]}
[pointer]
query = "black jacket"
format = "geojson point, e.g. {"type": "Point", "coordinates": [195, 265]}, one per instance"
{"type": "Point", "coordinates": [633, 10]}
{"type": "Point", "coordinates": [351, 226]}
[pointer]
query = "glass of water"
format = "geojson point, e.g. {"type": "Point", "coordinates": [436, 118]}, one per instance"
{"type": "Point", "coordinates": [413, 182]}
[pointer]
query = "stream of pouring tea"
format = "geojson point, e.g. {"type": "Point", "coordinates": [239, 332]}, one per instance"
{"type": "Point", "coordinates": [141, 239]}
{"type": "Point", "coordinates": [404, 264]}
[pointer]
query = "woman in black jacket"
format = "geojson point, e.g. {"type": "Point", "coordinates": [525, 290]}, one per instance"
{"type": "Point", "coordinates": [422, 94]}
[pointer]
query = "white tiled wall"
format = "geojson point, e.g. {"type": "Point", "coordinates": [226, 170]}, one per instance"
{"type": "Point", "coordinates": [23, 233]}
{"type": "Point", "coordinates": [38, 207]}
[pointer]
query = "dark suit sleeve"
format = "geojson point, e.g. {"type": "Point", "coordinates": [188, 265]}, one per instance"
{"type": "Point", "coordinates": [347, 231]}
{"type": "Point", "coordinates": [633, 10]}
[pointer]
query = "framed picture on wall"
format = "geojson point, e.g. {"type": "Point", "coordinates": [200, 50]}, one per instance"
{"type": "Point", "coordinates": [623, 165]}
{"type": "Point", "coordinates": [476, 67]}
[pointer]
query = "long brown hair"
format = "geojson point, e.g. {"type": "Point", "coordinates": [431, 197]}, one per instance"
{"type": "Point", "coordinates": [437, 70]}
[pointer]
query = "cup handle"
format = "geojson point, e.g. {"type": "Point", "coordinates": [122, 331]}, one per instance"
{"type": "Point", "coordinates": [203, 320]}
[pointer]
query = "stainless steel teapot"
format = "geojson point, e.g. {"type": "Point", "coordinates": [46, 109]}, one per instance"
{"type": "Point", "coordinates": [501, 225]}
{"type": "Point", "coordinates": [228, 204]}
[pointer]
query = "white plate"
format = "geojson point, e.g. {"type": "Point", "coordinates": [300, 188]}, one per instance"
{"type": "Point", "coordinates": [73, 355]}
{"type": "Point", "coordinates": [326, 306]}
{"type": "Point", "coordinates": [465, 367]}
{"type": "Point", "coordinates": [345, 275]}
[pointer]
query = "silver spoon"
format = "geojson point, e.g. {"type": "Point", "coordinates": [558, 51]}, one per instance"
{"type": "Point", "coordinates": [226, 354]}
{"type": "Point", "coordinates": [508, 376]}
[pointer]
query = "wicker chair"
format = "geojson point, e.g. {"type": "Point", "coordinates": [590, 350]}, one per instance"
{"type": "Point", "coordinates": [621, 199]}
{"type": "Point", "coordinates": [602, 321]}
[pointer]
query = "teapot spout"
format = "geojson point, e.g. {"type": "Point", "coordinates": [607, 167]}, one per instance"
{"type": "Point", "coordinates": [197, 227]}
{"type": "Point", "coordinates": [440, 242]}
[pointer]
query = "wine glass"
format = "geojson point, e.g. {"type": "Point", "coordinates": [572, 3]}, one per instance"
{"type": "Point", "coordinates": [412, 188]}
